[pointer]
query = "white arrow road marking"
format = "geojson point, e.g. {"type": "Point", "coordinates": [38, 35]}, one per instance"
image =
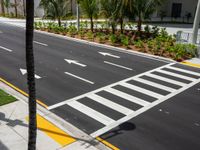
{"type": "Point", "coordinates": [117, 65]}
{"type": "Point", "coordinates": [40, 43]}
{"type": "Point", "coordinates": [24, 71]}
{"type": "Point", "coordinates": [7, 49]}
{"type": "Point", "coordinates": [79, 78]}
{"type": "Point", "coordinates": [75, 62]}
{"type": "Point", "coordinates": [108, 54]}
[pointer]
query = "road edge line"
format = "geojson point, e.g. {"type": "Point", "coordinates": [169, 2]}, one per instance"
{"type": "Point", "coordinates": [22, 92]}
{"type": "Point", "coordinates": [106, 143]}
{"type": "Point", "coordinates": [187, 63]}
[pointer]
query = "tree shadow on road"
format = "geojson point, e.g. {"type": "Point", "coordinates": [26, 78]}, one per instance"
{"type": "Point", "coordinates": [127, 126]}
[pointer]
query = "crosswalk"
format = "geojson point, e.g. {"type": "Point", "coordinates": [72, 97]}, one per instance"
{"type": "Point", "coordinates": [146, 90]}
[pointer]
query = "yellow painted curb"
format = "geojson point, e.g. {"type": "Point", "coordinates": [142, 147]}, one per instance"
{"type": "Point", "coordinates": [190, 64]}
{"type": "Point", "coordinates": [22, 92]}
{"type": "Point", "coordinates": [107, 143]}
{"type": "Point", "coordinates": [53, 132]}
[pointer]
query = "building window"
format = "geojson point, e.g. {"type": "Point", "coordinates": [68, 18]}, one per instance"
{"type": "Point", "coordinates": [176, 10]}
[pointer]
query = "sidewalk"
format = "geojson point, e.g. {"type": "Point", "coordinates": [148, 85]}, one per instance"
{"type": "Point", "coordinates": [170, 28]}
{"type": "Point", "coordinates": [50, 136]}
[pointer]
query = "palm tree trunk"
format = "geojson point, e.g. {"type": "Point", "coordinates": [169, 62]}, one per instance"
{"type": "Point", "coordinates": [92, 24]}
{"type": "Point", "coordinates": [16, 8]}
{"type": "Point", "coordinates": [113, 27]}
{"type": "Point", "coordinates": [71, 4]}
{"type": "Point", "coordinates": [139, 25]}
{"type": "Point", "coordinates": [121, 25]}
{"type": "Point", "coordinates": [24, 8]}
{"type": "Point", "coordinates": [30, 75]}
{"type": "Point", "coordinates": [2, 8]}
{"type": "Point", "coordinates": [59, 22]}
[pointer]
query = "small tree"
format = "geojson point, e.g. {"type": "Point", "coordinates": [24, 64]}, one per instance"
{"type": "Point", "coordinates": [7, 5]}
{"type": "Point", "coordinates": [109, 10]}
{"type": "Point", "coordinates": [2, 7]}
{"type": "Point", "coordinates": [142, 9]}
{"type": "Point", "coordinates": [56, 9]}
{"type": "Point", "coordinates": [162, 15]}
{"type": "Point", "coordinates": [90, 8]}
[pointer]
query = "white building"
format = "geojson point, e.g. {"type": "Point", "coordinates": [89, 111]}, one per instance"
{"type": "Point", "coordinates": [173, 8]}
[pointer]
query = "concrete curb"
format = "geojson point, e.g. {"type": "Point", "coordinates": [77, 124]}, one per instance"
{"type": "Point", "coordinates": [122, 50]}
{"type": "Point", "coordinates": [59, 122]}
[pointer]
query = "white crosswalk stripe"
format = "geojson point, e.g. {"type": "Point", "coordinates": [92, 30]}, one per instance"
{"type": "Point", "coordinates": [183, 70]}
{"type": "Point", "coordinates": [166, 79]}
{"type": "Point", "coordinates": [110, 104]}
{"type": "Point", "coordinates": [91, 112]}
{"type": "Point", "coordinates": [141, 90]}
{"type": "Point", "coordinates": [159, 86]}
{"type": "Point", "coordinates": [177, 75]}
{"type": "Point", "coordinates": [127, 96]}
{"type": "Point", "coordinates": [131, 97]}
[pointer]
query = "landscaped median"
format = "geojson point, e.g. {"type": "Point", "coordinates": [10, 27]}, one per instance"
{"type": "Point", "coordinates": [151, 40]}
{"type": "Point", "coordinates": [5, 98]}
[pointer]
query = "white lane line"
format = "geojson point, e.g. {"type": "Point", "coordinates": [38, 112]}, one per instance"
{"type": "Point", "coordinates": [91, 113]}
{"type": "Point", "coordinates": [183, 70]}
{"type": "Point", "coordinates": [118, 65]}
{"type": "Point", "coordinates": [166, 79]}
{"type": "Point", "coordinates": [7, 49]}
{"type": "Point", "coordinates": [43, 44]}
{"type": "Point", "coordinates": [79, 78]}
{"type": "Point", "coordinates": [141, 90]}
{"type": "Point", "coordinates": [110, 104]}
{"type": "Point", "coordinates": [127, 96]}
{"type": "Point", "coordinates": [177, 75]}
{"type": "Point", "coordinates": [159, 86]}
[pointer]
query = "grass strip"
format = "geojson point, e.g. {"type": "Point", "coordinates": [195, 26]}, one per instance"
{"type": "Point", "coordinates": [5, 98]}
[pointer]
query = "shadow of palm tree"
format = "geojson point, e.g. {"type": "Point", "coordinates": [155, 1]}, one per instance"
{"type": "Point", "coordinates": [2, 146]}
{"type": "Point", "coordinates": [127, 126]}
{"type": "Point", "coordinates": [10, 122]}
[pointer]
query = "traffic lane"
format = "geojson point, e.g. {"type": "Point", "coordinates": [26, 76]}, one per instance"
{"type": "Point", "coordinates": [84, 49]}
{"type": "Point", "coordinates": [63, 46]}
{"type": "Point", "coordinates": [50, 70]}
{"type": "Point", "coordinates": [173, 124]}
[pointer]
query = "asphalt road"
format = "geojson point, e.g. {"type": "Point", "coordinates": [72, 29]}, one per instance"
{"type": "Point", "coordinates": [97, 93]}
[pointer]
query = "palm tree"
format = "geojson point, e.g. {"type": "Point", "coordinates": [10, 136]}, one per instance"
{"type": "Point", "coordinates": [30, 75]}
{"type": "Point", "coordinates": [109, 8]}
{"type": "Point", "coordinates": [143, 9]}
{"type": "Point", "coordinates": [90, 8]}
{"type": "Point", "coordinates": [78, 14]}
{"type": "Point", "coordinates": [2, 7]}
{"type": "Point", "coordinates": [15, 6]}
{"type": "Point", "coordinates": [55, 9]}
{"type": "Point", "coordinates": [24, 7]}
{"type": "Point", "coordinates": [7, 5]}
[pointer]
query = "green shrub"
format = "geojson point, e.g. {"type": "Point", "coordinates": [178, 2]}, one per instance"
{"type": "Point", "coordinates": [81, 34]}
{"type": "Point", "coordinates": [182, 51]}
{"type": "Point", "coordinates": [101, 37]}
{"type": "Point", "coordinates": [113, 38]}
{"type": "Point", "coordinates": [124, 40]}
{"type": "Point", "coordinates": [72, 30]}
{"type": "Point", "coordinates": [139, 44]}
{"type": "Point", "coordinates": [90, 35]}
